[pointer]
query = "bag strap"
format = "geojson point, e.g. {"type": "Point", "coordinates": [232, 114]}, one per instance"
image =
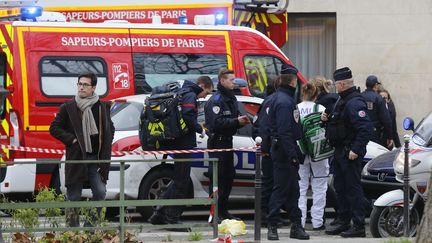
{"type": "Point", "coordinates": [315, 107]}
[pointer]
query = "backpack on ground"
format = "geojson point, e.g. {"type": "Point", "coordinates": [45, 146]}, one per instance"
{"type": "Point", "coordinates": [161, 120]}
{"type": "Point", "coordinates": [314, 142]}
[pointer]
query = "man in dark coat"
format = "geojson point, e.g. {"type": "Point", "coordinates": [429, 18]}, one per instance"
{"type": "Point", "coordinates": [189, 94]}
{"type": "Point", "coordinates": [378, 113]}
{"type": "Point", "coordinates": [223, 119]}
{"type": "Point", "coordinates": [349, 130]}
{"type": "Point", "coordinates": [84, 126]}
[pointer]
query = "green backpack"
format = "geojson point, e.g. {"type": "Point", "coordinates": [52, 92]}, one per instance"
{"type": "Point", "coordinates": [314, 142]}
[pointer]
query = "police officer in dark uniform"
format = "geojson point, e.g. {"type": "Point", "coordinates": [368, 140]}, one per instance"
{"type": "Point", "coordinates": [223, 119]}
{"type": "Point", "coordinates": [261, 128]}
{"type": "Point", "coordinates": [286, 155]}
{"type": "Point", "coordinates": [189, 94]}
{"type": "Point", "coordinates": [348, 129]}
{"type": "Point", "coordinates": [378, 113]}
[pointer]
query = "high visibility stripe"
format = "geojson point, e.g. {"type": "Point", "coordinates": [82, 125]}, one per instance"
{"type": "Point", "coordinates": [6, 40]}
{"type": "Point", "coordinates": [274, 19]}
{"type": "Point", "coordinates": [264, 19]}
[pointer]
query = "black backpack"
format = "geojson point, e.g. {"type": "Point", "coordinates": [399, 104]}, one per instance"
{"type": "Point", "coordinates": [161, 120]}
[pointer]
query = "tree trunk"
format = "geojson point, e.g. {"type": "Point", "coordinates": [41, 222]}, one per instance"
{"type": "Point", "coordinates": [424, 231]}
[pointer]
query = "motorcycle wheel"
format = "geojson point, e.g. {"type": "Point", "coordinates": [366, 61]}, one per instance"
{"type": "Point", "coordinates": [388, 222]}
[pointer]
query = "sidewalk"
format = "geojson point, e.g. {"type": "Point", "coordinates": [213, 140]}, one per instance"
{"type": "Point", "coordinates": [316, 236]}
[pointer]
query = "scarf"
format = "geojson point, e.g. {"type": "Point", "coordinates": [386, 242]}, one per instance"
{"type": "Point", "coordinates": [88, 122]}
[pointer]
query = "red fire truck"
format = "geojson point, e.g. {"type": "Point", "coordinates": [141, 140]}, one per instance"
{"type": "Point", "coordinates": [40, 62]}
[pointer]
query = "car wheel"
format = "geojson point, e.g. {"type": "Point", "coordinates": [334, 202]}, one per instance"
{"type": "Point", "coordinates": [388, 222]}
{"type": "Point", "coordinates": [152, 187]}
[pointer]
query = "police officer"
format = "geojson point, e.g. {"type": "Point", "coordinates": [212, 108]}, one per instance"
{"type": "Point", "coordinates": [378, 113]}
{"type": "Point", "coordinates": [348, 129]}
{"type": "Point", "coordinates": [261, 128]}
{"type": "Point", "coordinates": [286, 155]}
{"type": "Point", "coordinates": [222, 119]}
{"type": "Point", "coordinates": [189, 94]}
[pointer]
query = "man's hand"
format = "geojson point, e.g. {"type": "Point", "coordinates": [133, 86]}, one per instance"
{"type": "Point", "coordinates": [352, 155]}
{"type": "Point", "coordinates": [324, 117]}
{"type": "Point", "coordinates": [243, 120]}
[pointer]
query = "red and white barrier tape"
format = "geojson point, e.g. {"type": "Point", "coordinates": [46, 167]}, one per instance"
{"type": "Point", "coordinates": [59, 151]}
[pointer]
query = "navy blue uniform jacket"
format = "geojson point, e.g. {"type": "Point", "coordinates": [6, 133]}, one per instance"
{"type": "Point", "coordinates": [284, 118]}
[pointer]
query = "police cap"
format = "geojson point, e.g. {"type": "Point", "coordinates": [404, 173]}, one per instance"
{"type": "Point", "coordinates": [342, 74]}
{"type": "Point", "coordinates": [371, 81]}
{"type": "Point", "coordinates": [288, 69]}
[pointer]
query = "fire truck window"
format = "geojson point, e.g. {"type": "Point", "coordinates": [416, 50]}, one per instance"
{"type": "Point", "coordinates": [260, 69]}
{"type": "Point", "coordinates": [157, 69]}
{"type": "Point", "coordinates": [59, 75]}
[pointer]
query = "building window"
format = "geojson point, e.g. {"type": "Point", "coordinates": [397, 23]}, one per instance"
{"type": "Point", "coordinates": [312, 43]}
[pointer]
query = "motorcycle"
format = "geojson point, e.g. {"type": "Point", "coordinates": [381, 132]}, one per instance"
{"type": "Point", "coordinates": [386, 219]}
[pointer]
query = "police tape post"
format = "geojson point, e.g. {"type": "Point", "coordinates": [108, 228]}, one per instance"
{"type": "Point", "coordinates": [190, 151]}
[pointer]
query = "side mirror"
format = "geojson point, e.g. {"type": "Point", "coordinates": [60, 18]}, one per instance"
{"type": "Point", "coordinates": [408, 124]}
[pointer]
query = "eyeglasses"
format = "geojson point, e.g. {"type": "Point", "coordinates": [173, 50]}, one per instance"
{"type": "Point", "coordinates": [85, 85]}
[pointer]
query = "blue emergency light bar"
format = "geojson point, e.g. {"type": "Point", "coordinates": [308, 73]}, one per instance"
{"type": "Point", "coordinates": [220, 19]}
{"type": "Point", "coordinates": [30, 13]}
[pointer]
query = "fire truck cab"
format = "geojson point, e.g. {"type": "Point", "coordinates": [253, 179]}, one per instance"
{"type": "Point", "coordinates": [40, 63]}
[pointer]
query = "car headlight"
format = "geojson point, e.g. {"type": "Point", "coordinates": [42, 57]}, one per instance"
{"type": "Point", "coordinates": [398, 164]}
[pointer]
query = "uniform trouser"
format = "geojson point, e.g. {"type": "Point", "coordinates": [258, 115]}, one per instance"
{"type": "Point", "coordinates": [285, 189]}
{"type": "Point", "coordinates": [267, 182]}
{"type": "Point", "coordinates": [347, 175]}
{"type": "Point", "coordinates": [226, 171]}
{"type": "Point", "coordinates": [316, 175]}
{"type": "Point", "coordinates": [179, 187]}
{"type": "Point", "coordinates": [74, 192]}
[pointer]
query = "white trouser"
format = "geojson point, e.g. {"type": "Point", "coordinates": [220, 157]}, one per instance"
{"type": "Point", "coordinates": [316, 174]}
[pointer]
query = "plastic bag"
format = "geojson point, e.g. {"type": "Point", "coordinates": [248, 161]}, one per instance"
{"type": "Point", "coordinates": [232, 227]}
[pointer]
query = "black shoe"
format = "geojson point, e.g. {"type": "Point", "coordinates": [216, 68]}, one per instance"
{"type": "Point", "coordinates": [354, 231]}
{"type": "Point", "coordinates": [322, 227]}
{"type": "Point", "coordinates": [272, 233]}
{"type": "Point", "coordinates": [298, 232]}
{"type": "Point", "coordinates": [157, 219]}
{"type": "Point", "coordinates": [337, 229]}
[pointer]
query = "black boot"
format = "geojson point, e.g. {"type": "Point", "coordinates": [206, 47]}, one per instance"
{"type": "Point", "coordinates": [338, 228]}
{"type": "Point", "coordinates": [272, 233]}
{"type": "Point", "coordinates": [354, 231]}
{"type": "Point", "coordinates": [297, 232]}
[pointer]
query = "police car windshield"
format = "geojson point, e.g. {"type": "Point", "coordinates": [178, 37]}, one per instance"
{"type": "Point", "coordinates": [423, 132]}
{"type": "Point", "coordinates": [125, 115]}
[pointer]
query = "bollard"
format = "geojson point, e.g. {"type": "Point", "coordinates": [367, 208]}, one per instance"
{"type": "Point", "coordinates": [406, 187]}
{"type": "Point", "coordinates": [257, 215]}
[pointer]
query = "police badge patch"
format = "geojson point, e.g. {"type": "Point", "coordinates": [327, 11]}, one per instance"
{"type": "Point", "coordinates": [361, 113]}
{"type": "Point", "coordinates": [216, 109]}
{"type": "Point", "coordinates": [370, 105]}
{"type": "Point", "coordinates": [296, 115]}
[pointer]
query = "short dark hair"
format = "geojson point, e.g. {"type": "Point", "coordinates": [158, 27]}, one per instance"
{"type": "Point", "coordinates": [206, 81]}
{"type": "Point", "coordinates": [223, 72]}
{"type": "Point", "coordinates": [89, 75]}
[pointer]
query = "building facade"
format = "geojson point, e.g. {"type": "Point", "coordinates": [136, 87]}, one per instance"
{"type": "Point", "coordinates": [388, 38]}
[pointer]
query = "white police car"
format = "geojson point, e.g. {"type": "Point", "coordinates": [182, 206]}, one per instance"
{"type": "Point", "coordinates": [148, 180]}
